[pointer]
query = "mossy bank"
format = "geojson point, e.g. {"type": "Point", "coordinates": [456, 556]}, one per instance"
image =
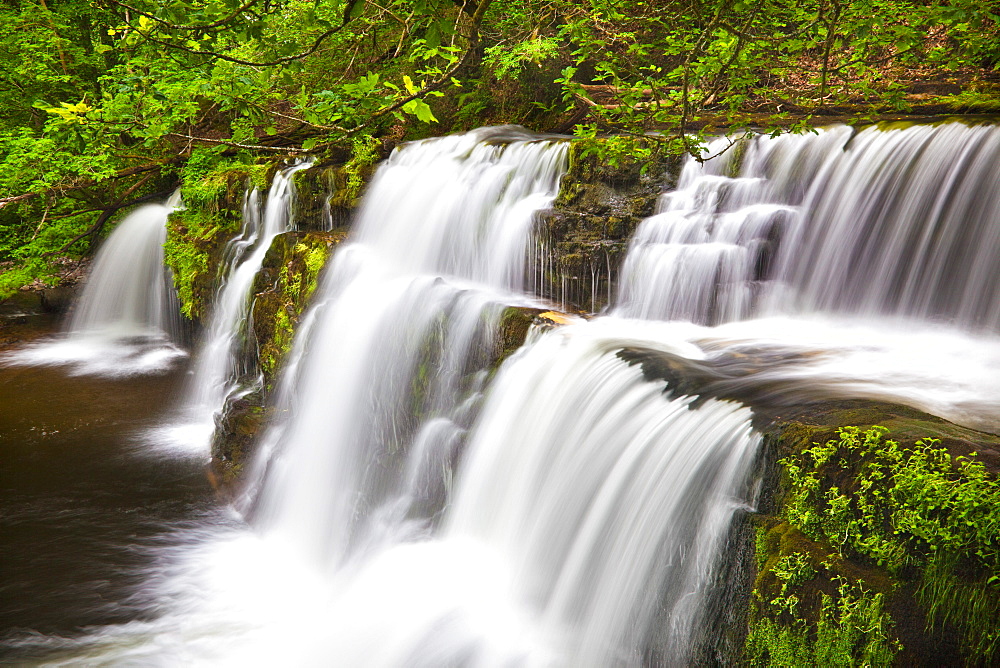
{"type": "Point", "coordinates": [877, 543]}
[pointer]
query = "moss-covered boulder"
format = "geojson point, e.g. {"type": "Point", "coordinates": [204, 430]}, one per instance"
{"type": "Point", "coordinates": [603, 197]}
{"type": "Point", "coordinates": [876, 544]}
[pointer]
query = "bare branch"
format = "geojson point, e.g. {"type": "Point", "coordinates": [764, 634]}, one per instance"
{"type": "Point", "coordinates": [226, 142]}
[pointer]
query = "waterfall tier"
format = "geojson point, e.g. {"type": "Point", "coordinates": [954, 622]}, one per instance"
{"type": "Point", "coordinates": [383, 378]}
{"type": "Point", "coordinates": [901, 222]}
{"type": "Point", "coordinates": [127, 317]}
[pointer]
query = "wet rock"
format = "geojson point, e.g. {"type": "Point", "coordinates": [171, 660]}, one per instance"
{"type": "Point", "coordinates": [583, 239]}
{"type": "Point", "coordinates": [57, 300]}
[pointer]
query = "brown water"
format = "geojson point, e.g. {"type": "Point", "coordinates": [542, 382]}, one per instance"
{"type": "Point", "coordinates": [86, 499]}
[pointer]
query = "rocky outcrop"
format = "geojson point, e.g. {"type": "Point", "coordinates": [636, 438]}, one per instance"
{"type": "Point", "coordinates": [874, 544]}
{"type": "Point", "coordinates": [583, 238]}
{"type": "Point", "coordinates": [875, 539]}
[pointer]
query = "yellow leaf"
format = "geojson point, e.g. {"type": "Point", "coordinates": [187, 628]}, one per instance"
{"type": "Point", "coordinates": [556, 317]}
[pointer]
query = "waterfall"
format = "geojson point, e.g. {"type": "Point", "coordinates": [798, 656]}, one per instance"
{"type": "Point", "coordinates": [410, 507]}
{"type": "Point", "coordinates": [129, 292]}
{"type": "Point", "coordinates": [216, 376]}
{"type": "Point", "coordinates": [398, 342]}
{"type": "Point", "coordinates": [900, 222]}
{"type": "Point", "coordinates": [127, 315]}
{"type": "Point", "coordinates": [605, 499]}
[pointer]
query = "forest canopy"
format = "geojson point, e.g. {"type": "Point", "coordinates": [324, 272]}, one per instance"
{"type": "Point", "coordinates": [106, 103]}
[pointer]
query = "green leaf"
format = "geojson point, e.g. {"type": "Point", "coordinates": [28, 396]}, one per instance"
{"type": "Point", "coordinates": [421, 110]}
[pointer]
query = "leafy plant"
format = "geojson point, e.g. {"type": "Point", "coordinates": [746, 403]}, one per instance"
{"type": "Point", "coordinates": [916, 508]}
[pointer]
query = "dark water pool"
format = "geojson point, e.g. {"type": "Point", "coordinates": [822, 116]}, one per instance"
{"type": "Point", "coordinates": [87, 499]}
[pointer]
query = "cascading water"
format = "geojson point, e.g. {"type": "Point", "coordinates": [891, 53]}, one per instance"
{"type": "Point", "coordinates": [870, 252]}
{"type": "Point", "coordinates": [605, 499]}
{"type": "Point", "coordinates": [400, 338]}
{"type": "Point", "coordinates": [129, 293]}
{"type": "Point", "coordinates": [586, 520]}
{"type": "Point", "coordinates": [215, 376]}
{"type": "Point", "coordinates": [590, 500]}
{"type": "Point", "coordinates": [900, 222]}
{"type": "Point", "coordinates": [127, 316]}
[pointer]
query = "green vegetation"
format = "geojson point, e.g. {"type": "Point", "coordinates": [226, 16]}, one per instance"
{"type": "Point", "coordinates": [851, 629]}
{"type": "Point", "coordinates": [107, 104]}
{"type": "Point", "coordinates": [863, 521]}
{"type": "Point", "coordinates": [290, 276]}
{"type": "Point", "coordinates": [196, 234]}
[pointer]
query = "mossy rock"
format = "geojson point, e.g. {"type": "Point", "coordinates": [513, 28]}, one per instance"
{"type": "Point", "coordinates": [318, 204]}
{"type": "Point", "coordinates": [196, 242]}
{"type": "Point", "coordinates": [235, 436]}
{"type": "Point", "coordinates": [586, 232]}
{"type": "Point", "coordinates": [907, 633]}
{"type": "Point", "coordinates": [282, 289]}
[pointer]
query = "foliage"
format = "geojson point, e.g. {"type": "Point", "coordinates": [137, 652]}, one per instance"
{"type": "Point", "coordinates": [509, 61]}
{"type": "Point", "coordinates": [852, 627]}
{"type": "Point", "coordinates": [906, 510]}
{"type": "Point", "coordinates": [363, 158]}
{"type": "Point", "coordinates": [102, 102]}
{"type": "Point", "coordinates": [981, 98]}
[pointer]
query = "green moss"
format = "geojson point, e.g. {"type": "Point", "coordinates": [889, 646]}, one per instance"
{"type": "Point", "coordinates": [878, 521]}
{"type": "Point", "coordinates": [980, 97]}
{"type": "Point", "coordinates": [213, 192]}
{"type": "Point", "coordinates": [351, 179]}
{"type": "Point", "coordinates": [208, 180]}
{"type": "Point", "coordinates": [193, 249]}
{"type": "Point", "coordinates": [737, 154]}
{"type": "Point", "coordinates": [289, 278]}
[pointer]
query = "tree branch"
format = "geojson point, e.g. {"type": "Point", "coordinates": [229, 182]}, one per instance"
{"type": "Point", "coordinates": [106, 214]}
{"type": "Point", "coordinates": [174, 26]}
{"type": "Point", "coordinates": [226, 142]}
{"type": "Point", "coordinates": [239, 61]}
{"type": "Point", "coordinates": [438, 83]}
{"type": "Point", "coordinates": [131, 171]}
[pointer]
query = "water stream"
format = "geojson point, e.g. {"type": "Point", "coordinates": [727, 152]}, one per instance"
{"type": "Point", "coordinates": [127, 318]}
{"type": "Point", "coordinates": [215, 376]}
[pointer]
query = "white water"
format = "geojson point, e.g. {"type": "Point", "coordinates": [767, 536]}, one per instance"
{"type": "Point", "coordinates": [216, 375]}
{"type": "Point", "coordinates": [605, 500]}
{"type": "Point", "coordinates": [875, 254]}
{"type": "Point", "coordinates": [127, 316]}
{"type": "Point", "coordinates": [393, 361]}
{"type": "Point", "coordinates": [904, 222]}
